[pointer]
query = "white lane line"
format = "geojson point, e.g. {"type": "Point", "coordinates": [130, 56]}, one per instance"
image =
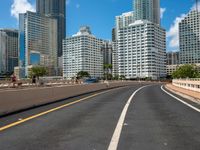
{"type": "Point", "coordinates": [115, 138]}
{"type": "Point", "coordinates": [182, 101]}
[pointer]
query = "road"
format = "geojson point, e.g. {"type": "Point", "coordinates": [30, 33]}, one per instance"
{"type": "Point", "coordinates": [137, 117]}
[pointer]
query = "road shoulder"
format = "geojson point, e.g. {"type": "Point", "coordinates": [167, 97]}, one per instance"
{"type": "Point", "coordinates": [186, 94]}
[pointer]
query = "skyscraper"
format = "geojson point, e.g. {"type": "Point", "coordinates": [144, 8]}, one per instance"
{"type": "Point", "coordinates": [55, 9]}
{"type": "Point", "coordinates": [37, 37]}
{"type": "Point", "coordinates": [8, 50]}
{"type": "Point", "coordinates": [189, 38]}
{"type": "Point", "coordinates": [139, 51]}
{"type": "Point", "coordinates": [147, 10]}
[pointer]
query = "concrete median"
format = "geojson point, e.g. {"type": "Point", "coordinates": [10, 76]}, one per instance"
{"type": "Point", "coordinates": [19, 100]}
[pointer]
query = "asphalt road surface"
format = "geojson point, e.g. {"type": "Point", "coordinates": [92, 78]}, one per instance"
{"type": "Point", "coordinates": [138, 117]}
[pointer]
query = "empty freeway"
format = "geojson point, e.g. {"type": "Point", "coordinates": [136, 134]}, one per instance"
{"type": "Point", "coordinates": [137, 117]}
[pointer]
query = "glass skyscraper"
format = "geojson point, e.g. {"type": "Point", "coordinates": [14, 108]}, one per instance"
{"type": "Point", "coordinates": [8, 50]}
{"type": "Point", "coordinates": [37, 33]}
{"type": "Point", "coordinates": [147, 10]}
{"type": "Point", "coordinates": [55, 9]}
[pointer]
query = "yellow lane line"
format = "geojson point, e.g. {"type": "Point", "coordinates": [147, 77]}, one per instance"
{"type": "Point", "coordinates": [49, 111]}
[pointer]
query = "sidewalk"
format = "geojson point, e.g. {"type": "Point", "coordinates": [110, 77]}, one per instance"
{"type": "Point", "coordinates": [188, 94]}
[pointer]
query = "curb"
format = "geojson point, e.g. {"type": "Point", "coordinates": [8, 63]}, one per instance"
{"type": "Point", "coordinates": [193, 99]}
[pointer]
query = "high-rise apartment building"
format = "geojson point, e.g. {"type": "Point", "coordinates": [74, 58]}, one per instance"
{"type": "Point", "coordinates": [189, 38]}
{"type": "Point", "coordinates": [124, 20]}
{"type": "Point", "coordinates": [141, 50]}
{"type": "Point", "coordinates": [37, 35]}
{"type": "Point", "coordinates": [55, 9]}
{"type": "Point", "coordinates": [83, 52]}
{"type": "Point", "coordinates": [8, 50]}
{"type": "Point", "coordinates": [121, 21]}
{"type": "Point", "coordinates": [147, 10]}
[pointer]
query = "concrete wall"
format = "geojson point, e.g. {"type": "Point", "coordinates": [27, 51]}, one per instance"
{"type": "Point", "coordinates": [190, 84]}
{"type": "Point", "coordinates": [11, 101]}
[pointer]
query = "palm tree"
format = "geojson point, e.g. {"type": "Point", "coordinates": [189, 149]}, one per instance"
{"type": "Point", "coordinates": [107, 71]}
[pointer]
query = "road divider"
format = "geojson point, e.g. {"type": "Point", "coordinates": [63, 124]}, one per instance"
{"type": "Point", "coordinates": [19, 100]}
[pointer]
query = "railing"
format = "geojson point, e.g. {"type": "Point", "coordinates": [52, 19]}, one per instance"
{"type": "Point", "coordinates": [189, 83]}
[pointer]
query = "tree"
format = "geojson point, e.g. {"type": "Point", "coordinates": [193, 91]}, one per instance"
{"type": "Point", "coordinates": [83, 74]}
{"type": "Point", "coordinates": [122, 77]}
{"type": "Point", "coordinates": [38, 71]}
{"type": "Point", "coordinates": [186, 71]}
{"type": "Point", "coordinates": [107, 71]}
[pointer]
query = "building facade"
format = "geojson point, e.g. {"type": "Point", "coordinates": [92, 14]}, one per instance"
{"type": "Point", "coordinates": [172, 62]}
{"type": "Point", "coordinates": [107, 52]}
{"type": "Point", "coordinates": [124, 20]}
{"type": "Point", "coordinates": [189, 38]}
{"type": "Point", "coordinates": [83, 52]}
{"type": "Point", "coordinates": [55, 9]}
{"type": "Point", "coordinates": [172, 58]}
{"type": "Point", "coordinates": [37, 35]}
{"type": "Point", "coordinates": [140, 48]}
{"type": "Point", "coordinates": [8, 50]}
{"type": "Point", "coordinates": [147, 10]}
{"type": "Point", "coordinates": [141, 51]}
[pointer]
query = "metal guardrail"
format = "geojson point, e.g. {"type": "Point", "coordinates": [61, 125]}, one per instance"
{"type": "Point", "coordinates": [190, 84]}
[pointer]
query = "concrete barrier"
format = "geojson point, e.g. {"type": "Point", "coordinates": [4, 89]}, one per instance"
{"type": "Point", "coordinates": [189, 84]}
{"type": "Point", "coordinates": [18, 100]}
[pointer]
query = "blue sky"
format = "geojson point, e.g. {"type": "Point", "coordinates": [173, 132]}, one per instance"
{"type": "Point", "coordinates": [100, 15]}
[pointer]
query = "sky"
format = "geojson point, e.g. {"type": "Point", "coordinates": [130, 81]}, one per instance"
{"type": "Point", "coordinates": [100, 15]}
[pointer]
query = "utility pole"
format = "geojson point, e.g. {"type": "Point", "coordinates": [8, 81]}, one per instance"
{"type": "Point", "coordinates": [197, 5]}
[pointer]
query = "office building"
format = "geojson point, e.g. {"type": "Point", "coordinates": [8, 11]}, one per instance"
{"type": "Point", "coordinates": [115, 59]}
{"type": "Point", "coordinates": [189, 38]}
{"type": "Point", "coordinates": [147, 10]}
{"type": "Point", "coordinates": [172, 62]}
{"type": "Point", "coordinates": [113, 34]}
{"type": "Point", "coordinates": [83, 52]}
{"type": "Point", "coordinates": [107, 52]}
{"type": "Point", "coordinates": [37, 38]}
{"type": "Point", "coordinates": [172, 58]}
{"type": "Point", "coordinates": [55, 9]}
{"type": "Point", "coordinates": [8, 50]}
{"type": "Point", "coordinates": [141, 50]}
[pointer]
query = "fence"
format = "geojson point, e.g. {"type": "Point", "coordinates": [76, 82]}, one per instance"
{"type": "Point", "coordinates": [190, 84]}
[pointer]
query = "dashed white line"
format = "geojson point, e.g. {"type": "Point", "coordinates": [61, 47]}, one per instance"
{"type": "Point", "coordinates": [182, 101]}
{"type": "Point", "coordinates": [115, 138]}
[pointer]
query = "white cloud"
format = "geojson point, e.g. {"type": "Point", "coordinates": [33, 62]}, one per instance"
{"type": "Point", "coordinates": [162, 11]}
{"type": "Point", "coordinates": [21, 6]}
{"type": "Point", "coordinates": [173, 33]}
